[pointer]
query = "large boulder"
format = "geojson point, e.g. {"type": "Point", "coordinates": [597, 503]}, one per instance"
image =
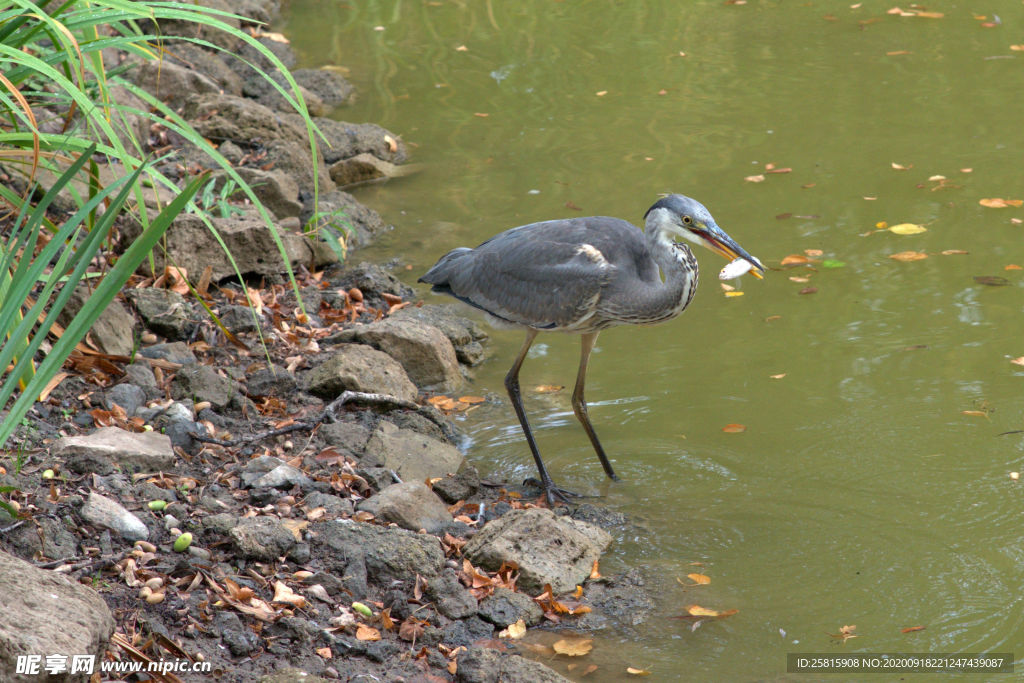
{"type": "Point", "coordinates": [348, 140]}
{"type": "Point", "coordinates": [504, 607]}
{"type": "Point", "coordinates": [173, 83]}
{"type": "Point", "coordinates": [356, 367]}
{"type": "Point", "coordinates": [549, 550]}
{"type": "Point", "coordinates": [453, 600]}
{"type": "Point", "coordinates": [410, 505]}
{"type": "Point", "coordinates": [110, 447]}
{"type": "Point", "coordinates": [192, 246]}
{"type": "Point", "coordinates": [365, 554]}
{"type": "Point", "coordinates": [294, 159]}
{"type": "Point", "coordinates": [464, 334]}
{"type": "Point", "coordinates": [47, 613]}
{"type": "Point", "coordinates": [373, 281]}
{"type": "Point", "coordinates": [243, 121]}
{"type": "Point", "coordinates": [193, 57]}
{"type": "Point", "coordinates": [413, 456]}
{"type": "Point", "coordinates": [485, 665]}
{"type": "Point", "coordinates": [261, 90]}
{"type": "Point", "coordinates": [113, 332]}
{"type": "Point", "coordinates": [425, 353]}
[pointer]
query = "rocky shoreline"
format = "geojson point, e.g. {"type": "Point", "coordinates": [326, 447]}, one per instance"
{"type": "Point", "coordinates": [299, 515]}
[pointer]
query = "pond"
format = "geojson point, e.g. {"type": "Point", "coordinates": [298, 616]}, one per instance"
{"type": "Point", "coordinates": [861, 492]}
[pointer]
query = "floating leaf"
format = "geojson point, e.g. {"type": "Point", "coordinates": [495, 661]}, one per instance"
{"type": "Point", "coordinates": [1013, 266]}
{"type": "Point", "coordinates": [899, 167]}
{"type": "Point", "coordinates": [699, 579]}
{"type": "Point", "coordinates": [845, 633]}
{"type": "Point", "coordinates": [808, 290]}
{"type": "Point", "coordinates": [602, 93]}
{"type": "Point", "coordinates": [754, 179]}
{"type": "Point", "coordinates": [991, 281]}
{"type": "Point", "coordinates": [594, 573]}
{"type": "Point", "coordinates": [574, 647]}
{"type": "Point", "coordinates": [796, 259]}
{"type": "Point", "coordinates": [548, 389]}
{"type": "Point", "coordinates": [638, 672]}
{"type": "Point", "coordinates": [734, 428]}
{"type": "Point", "coordinates": [779, 170]}
{"type": "Point", "coordinates": [777, 376]}
{"type": "Point", "coordinates": [514, 631]}
{"type": "Point", "coordinates": [800, 279]}
{"type": "Point", "coordinates": [908, 229]}
{"type": "Point", "coordinates": [832, 263]}
{"type": "Point", "coordinates": [954, 252]}
{"type": "Point", "coordinates": [908, 256]}
{"type": "Point", "coordinates": [734, 293]}
{"type": "Point", "coordinates": [813, 252]}
{"type": "Point", "coordinates": [1001, 203]}
{"type": "Point", "coordinates": [912, 629]}
{"type": "Point", "coordinates": [974, 413]}
{"type": "Point", "coordinates": [784, 216]}
{"type": "Point", "coordinates": [1018, 361]}
{"type": "Point", "coordinates": [589, 670]}
{"type": "Point", "coordinates": [471, 399]}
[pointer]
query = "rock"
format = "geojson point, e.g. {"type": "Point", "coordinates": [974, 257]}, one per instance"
{"type": "Point", "coordinates": [329, 86]}
{"type": "Point", "coordinates": [460, 487]}
{"type": "Point", "coordinates": [191, 29]}
{"type": "Point", "coordinates": [379, 478]}
{"type": "Point", "coordinates": [164, 312]}
{"type": "Point", "coordinates": [107, 514]}
{"type": "Point", "coordinates": [193, 57]}
{"type": "Point", "coordinates": [348, 140]}
{"type": "Point", "coordinates": [362, 554]}
{"type": "Point", "coordinates": [238, 319]}
{"type": "Point", "coordinates": [283, 51]}
{"type": "Point", "coordinates": [259, 89]}
{"type": "Point", "coordinates": [100, 451]}
{"type": "Point", "coordinates": [365, 223]}
{"type": "Point", "coordinates": [193, 247]}
{"type": "Point", "coordinates": [425, 353]}
{"type": "Point", "coordinates": [293, 158]}
{"type": "Point", "coordinates": [50, 538]}
{"type": "Point", "coordinates": [202, 383]}
{"type": "Point", "coordinates": [261, 538]}
{"type": "Point", "coordinates": [505, 607]}
{"type": "Point", "coordinates": [176, 352]}
{"type": "Point", "coordinates": [621, 598]}
{"type": "Point", "coordinates": [232, 153]}
{"type": "Point", "coordinates": [366, 168]}
{"type": "Point", "coordinates": [349, 435]}
{"type": "Point", "coordinates": [257, 467]}
{"type": "Point", "coordinates": [239, 639]}
{"type": "Point", "coordinates": [451, 598]}
{"type": "Point", "coordinates": [549, 550]}
{"type": "Point", "coordinates": [220, 523]}
{"type": "Point", "coordinates": [274, 381]}
{"type": "Point", "coordinates": [47, 613]}
{"type": "Point", "coordinates": [242, 121]}
{"type": "Point", "coordinates": [127, 396]}
{"type": "Point", "coordinates": [333, 505]}
{"type": "Point", "coordinates": [291, 676]}
{"type": "Point", "coordinates": [413, 456]}
{"type": "Point", "coordinates": [356, 367]}
{"type": "Point", "coordinates": [173, 83]}
{"type": "Point", "coordinates": [141, 375]}
{"type": "Point", "coordinates": [278, 191]}
{"type": "Point", "coordinates": [372, 280]}
{"type": "Point", "coordinates": [485, 665]}
{"type": "Point", "coordinates": [283, 477]}
{"type": "Point", "coordinates": [464, 334]}
{"type": "Point", "coordinates": [113, 331]}
{"type": "Point", "coordinates": [410, 505]}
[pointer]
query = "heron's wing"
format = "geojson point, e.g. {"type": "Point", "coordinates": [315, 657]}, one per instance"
{"type": "Point", "coordinates": [547, 275]}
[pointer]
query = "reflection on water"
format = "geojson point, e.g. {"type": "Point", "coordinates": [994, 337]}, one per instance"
{"type": "Point", "coordinates": [859, 493]}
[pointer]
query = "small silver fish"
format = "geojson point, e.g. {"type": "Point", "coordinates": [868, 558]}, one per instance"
{"type": "Point", "coordinates": [734, 269]}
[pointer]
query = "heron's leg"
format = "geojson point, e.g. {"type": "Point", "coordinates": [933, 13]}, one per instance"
{"type": "Point", "coordinates": [579, 403]}
{"type": "Point", "coordinates": [512, 385]}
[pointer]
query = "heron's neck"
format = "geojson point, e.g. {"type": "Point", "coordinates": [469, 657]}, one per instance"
{"type": "Point", "coordinates": [679, 269]}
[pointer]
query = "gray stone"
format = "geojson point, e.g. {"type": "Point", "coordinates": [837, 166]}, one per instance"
{"type": "Point", "coordinates": [283, 477]}
{"type": "Point", "coordinates": [352, 139]}
{"type": "Point", "coordinates": [164, 312]}
{"type": "Point", "coordinates": [141, 375]}
{"type": "Point", "coordinates": [275, 381]}
{"type": "Point", "coordinates": [348, 435]}
{"type": "Point", "coordinates": [202, 383]}
{"type": "Point", "coordinates": [176, 352]}
{"type": "Point", "coordinates": [464, 334]}
{"type": "Point", "coordinates": [47, 613]}
{"type": "Point", "coordinates": [452, 599]}
{"type": "Point", "coordinates": [333, 505]}
{"type": "Point", "coordinates": [49, 537]}
{"type": "Point", "coordinates": [113, 331]}
{"type": "Point", "coordinates": [372, 281]}
{"type": "Point", "coordinates": [107, 514]}
{"type": "Point", "coordinates": [504, 607]}
{"type": "Point", "coordinates": [365, 223]}
{"type": "Point", "coordinates": [146, 491]}
{"type": "Point", "coordinates": [460, 487]}
{"type": "Point", "coordinates": [128, 396]}
{"type": "Point", "coordinates": [261, 538]}
{"type": "Point", "coordinates": [329, 86]}
{"type": "Point", "coordinates": [379, 478]}
{"type": "Point", "coordinates": [277, 191]}
{"type": "Point", "coordinates": [356, 367]}
{"type": "Point", "coordinates": [192, 29]}
{"type": "Point", "coordinates": [366, 168]}
{"type": "Point", "coordinates": [221, 523]}
{"type": "Point", "coordinates": [193, 57]}
{"type": "Point", "coordinates": [259, 89]}
{"type": "Point", "coordinates": [425, 353]}
{"type": "Point", "coordinates": [549, 550]}
{"type": "Point", "coordinates": [410, 505]}
{"type": "Point", "coordinates": [257, 467]}
{"type": "Point", "coordinates": [291, 676]}
{"type": "Point", "coordinates": [485, 665]}
{"type": "Point", "coordinates": [239, 639]}
{"type": "Point", "coordinates": [193, 247]}
{"type": "Point", "coordinates": [238, 319]}
{"type": "Point", "coordinates": [283, 51]}
{"type": "Point", "coordinates": [100, 451]}
{"type": "Point", "coordinates": [413, 456]}
{"type": "Point", "coordinates": [173, 83]}
{"type": "Point", "coordinates": [294, 159]}
{"type": "Point", "coordinates": [365, 553]}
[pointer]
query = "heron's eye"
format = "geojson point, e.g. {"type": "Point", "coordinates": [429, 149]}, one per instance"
{"type": "Point", "coordinates": [687, 220]}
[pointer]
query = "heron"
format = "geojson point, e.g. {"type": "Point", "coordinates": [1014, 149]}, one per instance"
{"type": "Point", "coordinates": [582, 276]}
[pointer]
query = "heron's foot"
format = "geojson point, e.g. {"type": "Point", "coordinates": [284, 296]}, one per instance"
{"type": "Point", "coordinates": [553, 493]}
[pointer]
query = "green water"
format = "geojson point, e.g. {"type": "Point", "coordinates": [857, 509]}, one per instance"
{"type": "Point", "coordinates": [859, 493]}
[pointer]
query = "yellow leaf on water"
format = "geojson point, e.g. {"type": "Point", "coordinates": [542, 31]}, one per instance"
{"type": "Point", "coordinates": [908, 229]}
{"type": "Point", "coordinates": [1018, 361]}
{"type": "Point", "coordinates": [953, 252]}
{"type": "Point", "coordinates": [514, 631]}
{"type": "Point", "coordinates": [698, 611]}
{"type": "Point", "coordinates": [908, 256]}
{"type": "Point", "coordinates": [700, 579]}
{"type": "Point", "coordinates": [589, 670]}
{"type": "Point", "coordinates": [734, 293]}
{"type": "Point", "coordinates": [974, 413]}
{"type": "Point", "coordinates": [900, 167]}
{"type": "Point", "coordinates": [471, 399]}
{"type": "Point", "coordinates": [793, 259]}
{"type": "Point", "coordinates": [754, 178]}
{"type": "Point", "coordinates": [574, 647]}
{"type": "Point", "coordinates": [602, 93]}
{"type": "Point", "coordinates": [734, 428]}
{"type": "Point", "coordinates": [777, 376]}
{"type": "Point", "coordinates": [638, 672]}
{"type": "Point", "coordinates": [548, 389]}
{"type": "Point", "coordinates": [814, 252]}
{"type": "Point", "coordinates": [997, 203]}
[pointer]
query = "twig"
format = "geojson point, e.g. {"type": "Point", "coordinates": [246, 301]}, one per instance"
{"type": "Point", "coordinates": [330, 415]}
{"type": "Point", "coordinates": [12, 527]}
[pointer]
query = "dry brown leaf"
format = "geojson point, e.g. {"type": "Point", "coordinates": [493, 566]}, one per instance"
{"type": "Point", "coordinates": [471, 399]}
{"type": "Point", "coordinates": [699, 579]}
{"type": "Point", "coordinates": [808, 290]}
{"type": "Point", "coordinates": [974, 413]}
{"type": "Point", "coordinates": [324, 652]}
{"type": "Point", "coordinates": [734, 428]}
{"type": "Point", "coordinates": [283, 593]}
{"type": "Point", "coordinates": [1018, 361]}
{"type": "Point", "coordinates": [589, 670]}
{"type": "Point", "coordinates": [514, 631]}
{"type": "Point", "coordinates": [777, 376]}
{"type": "Point", "coordinates": [846, 632]}
{"type": "Point", "coordinates": [295, 526]}
{"type": "Point", "coordinates": [594, 573]}
{"type": "Point", "coordinates": [908, 256]}
{"type": "Point", "coordinates": [1013, 266]}
{"type": "Point", "coordinates": [997, 203]}
{"type": "Point", "coordinates": [638, 672]}
{"type": "Point", "coordinates": [794, 259]}
{"type": "Point", "coordinates": [953, 252]}
{"type": "Point", "coordinates": [814, 252]}
{"type": "Point", "coordinates": [754, 179]}
{"type": "Point", "coordinates": [367, 633]}
{"type": "Point", "coordinates": [574, 647]}
{"type": "Point", "coordinates": [548, 389]}
{"type": "Point", "coordinates": [912, 629]}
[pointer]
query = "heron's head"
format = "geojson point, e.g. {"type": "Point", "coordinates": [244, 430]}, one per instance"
{"type": "Point", "coordinates": [687, 218]}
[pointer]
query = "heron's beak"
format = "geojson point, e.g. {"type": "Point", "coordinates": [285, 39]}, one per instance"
{"type": "Point", "coordinates": [717, 241]}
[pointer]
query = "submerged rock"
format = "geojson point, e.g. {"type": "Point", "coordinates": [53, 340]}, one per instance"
{"type": "Point", "coordinates": [548, 549]}
{"type": "Point", "coordinates": [411, 506]}
{"type": "Point", "coordinates": [47, 613]}
{"type": "Point", "coordinates": [366, 168]}
{"type": "Point", "coordinates": [108, 447]}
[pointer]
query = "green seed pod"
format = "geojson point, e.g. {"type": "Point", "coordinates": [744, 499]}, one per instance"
{"type": "Point", "coordinates": [362, 609]}
{"type": "Point", "coordinates": [157, 505]}
{"type": "Point", "coordinates": [182, 543]}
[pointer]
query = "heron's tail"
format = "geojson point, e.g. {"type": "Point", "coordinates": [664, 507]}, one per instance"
{"type": "Point", "coordinates": [439, 275]}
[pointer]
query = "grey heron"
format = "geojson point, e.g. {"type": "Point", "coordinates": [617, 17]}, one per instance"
{"type": "Point", "coordinates": [584, 275]}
